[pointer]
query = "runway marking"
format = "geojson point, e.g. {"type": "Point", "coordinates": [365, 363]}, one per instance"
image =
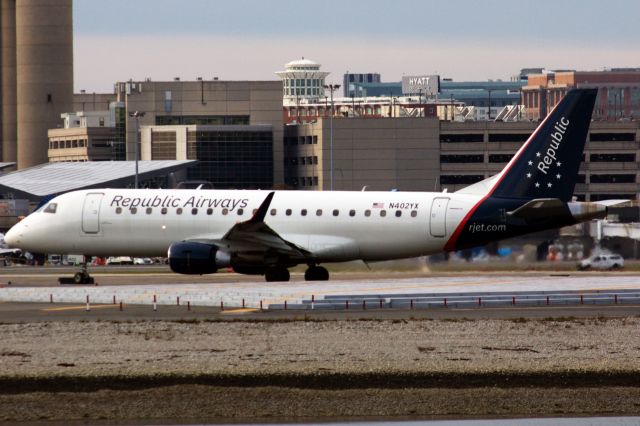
{"type": "Point", "coordinates": [79, 308]}
{"type": "Point", "coordinates": [240, 311]}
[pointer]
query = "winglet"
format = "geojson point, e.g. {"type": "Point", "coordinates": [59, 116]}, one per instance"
{"type": "Point", "coordinates": [262, 210]}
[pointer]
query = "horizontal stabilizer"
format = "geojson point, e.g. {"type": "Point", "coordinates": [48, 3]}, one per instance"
{"type": "Point", "coordinates": [617, 203]}
{"type": "Point", "coordinates": [539, 208]}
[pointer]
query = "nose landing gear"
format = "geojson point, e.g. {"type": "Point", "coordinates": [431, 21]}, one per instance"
{"type": "Point", "coordinates": [81, 277]}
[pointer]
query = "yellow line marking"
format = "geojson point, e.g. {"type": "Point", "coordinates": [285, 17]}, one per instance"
{"type": "Point", "coordinates": [79, 308]}
{"type": "Point", "coordinates": [240, 311]}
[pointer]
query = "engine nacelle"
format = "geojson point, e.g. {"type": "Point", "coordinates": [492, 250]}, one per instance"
{"type": "Point", "coordinates": [197, 258]}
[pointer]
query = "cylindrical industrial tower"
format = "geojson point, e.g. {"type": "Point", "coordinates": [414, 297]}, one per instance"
{"type": "Point", "coordinates": [9, 133]}
{"type": "Point", "coordinates": [44, 64]}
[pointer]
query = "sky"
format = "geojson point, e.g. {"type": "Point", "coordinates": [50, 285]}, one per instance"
{"type": "Point", "coordinates": [118, 40]}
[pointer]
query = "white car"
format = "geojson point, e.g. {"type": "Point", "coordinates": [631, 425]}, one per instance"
{"type": "Point", "coordinates": [601, 261]}
{"type": "Point", "coordinates": [120, 260]}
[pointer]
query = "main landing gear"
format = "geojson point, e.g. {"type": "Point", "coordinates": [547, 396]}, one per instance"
{"type": "Point", "coordinates": [276, 273]}
{"type": "Point", "coordinates": [81, 277]}
{"type": "Point", "coordinates": [281, 273]}
{"type": "Point", "coordinates": [316, 273]}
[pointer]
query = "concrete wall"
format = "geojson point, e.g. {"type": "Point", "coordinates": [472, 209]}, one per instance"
{"type": "Point", "coordinates": [44, 63]}
{"type": "Point", "coordinates": [381, 154]}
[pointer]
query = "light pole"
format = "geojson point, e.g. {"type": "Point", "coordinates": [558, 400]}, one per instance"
{"type": "Point", "coordinates": [137, 115]}
{"type": "Point", "coordinates": [332, 88]}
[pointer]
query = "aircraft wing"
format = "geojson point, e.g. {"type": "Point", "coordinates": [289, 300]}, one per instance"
{"type": "Point", "coordinates": [255, 235]}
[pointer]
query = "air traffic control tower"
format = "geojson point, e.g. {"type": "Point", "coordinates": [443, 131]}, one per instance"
{"type": "Point", "coordinates": [37, 75]}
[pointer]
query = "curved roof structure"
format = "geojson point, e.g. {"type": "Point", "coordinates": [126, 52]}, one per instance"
{"type": "Point", "coordinates": [56, 178]}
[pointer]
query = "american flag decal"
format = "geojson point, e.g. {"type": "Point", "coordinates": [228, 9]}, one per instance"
{"type": "Point", "coordinates": [378, 205]}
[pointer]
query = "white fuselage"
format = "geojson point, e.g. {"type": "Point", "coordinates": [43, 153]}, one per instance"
{"type": "Point", "coordinates": [338, 226]}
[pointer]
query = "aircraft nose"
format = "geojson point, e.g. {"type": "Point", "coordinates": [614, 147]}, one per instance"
{"type": "Point", "coordinates": [12, 237]}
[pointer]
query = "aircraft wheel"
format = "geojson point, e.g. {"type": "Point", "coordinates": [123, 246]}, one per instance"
{"type": "Point", "coordinates": [316, 273]}
{"type": "Point", "coordinates": [277, 273]}
{"type": "Point", "coordinates": [81, 278]}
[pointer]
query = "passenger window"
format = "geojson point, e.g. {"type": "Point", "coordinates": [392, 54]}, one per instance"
{"type": "Point", "coordinates": [398, 213]}
{"type": "Point", "coordinates": [51, 208]}
{"type": "Point", "coordinates": [118, 210]}
{"type": "Point", "coordinates": [414, 213]}
{"type": "Point", "coordinates": [273, 212]}
{"type": "Point", "coordinates": [164, 210]}
{"type": "Point", "coordinates": [209, 211]}
{"type": "Point", "coordinates": [367, 213]}
{"type": "Point", "coordinates": [352, 213]}
{"type": "Point", "coordinates": [319, 212]}
{"type": "Point", "coordinates": [179, 210]}
{"type": "Point", "coordinates": [149, 210]}
{"type": "Point", "coordinates": [303, 212]}
{"type": "Point", "coordinates": [383, 213]}
{"type": "Point", "coordinates": [133, 210]}
{"type": "Point", "coordinates": [194, 211]}
{"type": "Point", "coordinates": [240, 212]}
{"type": "Point", "coordinates": [225, 211]}
{"type": "Point", "coordinates": [288, 212]}
{"type": "Point", "coordinates": [336, 212]}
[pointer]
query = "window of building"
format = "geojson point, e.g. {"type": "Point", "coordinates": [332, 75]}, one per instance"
{"type": "Point", "coordinates": [598, 197]}
{"type": "Point", "coordinates": [460, 179]}
{"type": "Point", "coordinates": [500, 158]}
{"type": "Point", "coordinates": [508, 137]}
{"type": "Point", "coordinates": [613, 178]}
{"type": "Point", "coordinates": [612, 157]}
{"type": "Point", "coordinates": [612, 137]}
{"type": "Point", "coordinates": [462, 158]}
{"type": "Point", "coordinates": [461, 137]}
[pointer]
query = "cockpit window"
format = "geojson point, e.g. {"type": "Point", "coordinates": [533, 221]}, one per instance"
{"type": "Point", "coordinates": [51, 208]}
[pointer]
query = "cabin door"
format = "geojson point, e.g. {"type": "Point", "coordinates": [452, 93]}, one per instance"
{"type": "Point", "coordinates": [91, 213]}
{"type": "Point", "coordinates": [438, 217]}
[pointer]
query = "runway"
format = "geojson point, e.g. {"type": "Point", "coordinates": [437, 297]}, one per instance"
{"type": "Point", "coordinates": [258, 294]}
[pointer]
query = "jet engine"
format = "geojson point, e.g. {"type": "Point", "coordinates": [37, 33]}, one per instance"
{"type": "Point", "coordinates": [194, 258]}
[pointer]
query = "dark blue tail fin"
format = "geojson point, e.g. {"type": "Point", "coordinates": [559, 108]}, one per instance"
{"type": "Point", "coordinates": [547, 164]}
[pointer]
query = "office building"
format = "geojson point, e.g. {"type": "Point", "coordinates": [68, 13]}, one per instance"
{"type": "Point", "coordinates": [206, 103]}
{"type": "Point", "coordinates": [618, 94]}
{"type": "Point", "coordinates": [350, 82]}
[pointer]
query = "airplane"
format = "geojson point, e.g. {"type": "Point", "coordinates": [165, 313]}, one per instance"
{"type": "Point", "coordinates": [266, 232]}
